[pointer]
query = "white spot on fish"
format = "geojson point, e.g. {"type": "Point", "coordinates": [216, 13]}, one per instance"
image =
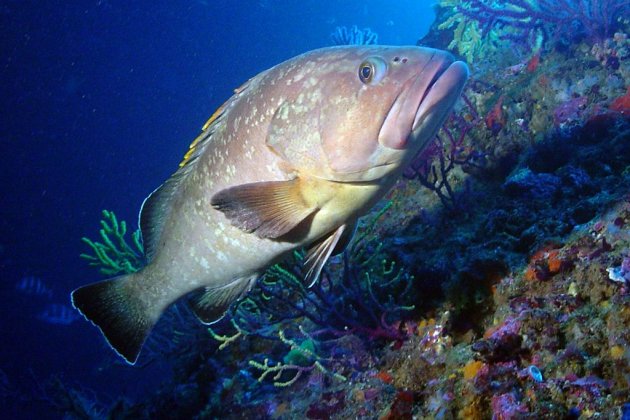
{"type": "Point", "coordinates": [204, 263]}
{"type": "Point", "coordinates": [284, 113]}
{"type": "Point", "coordinates": [221, 256]}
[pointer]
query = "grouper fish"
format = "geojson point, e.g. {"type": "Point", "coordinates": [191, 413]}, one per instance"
{"type": "Point", "coordinates": [290, 161]}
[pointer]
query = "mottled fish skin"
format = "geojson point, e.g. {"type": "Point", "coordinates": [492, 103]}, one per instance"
{"type": "Point", "coordinates": [313, 131]}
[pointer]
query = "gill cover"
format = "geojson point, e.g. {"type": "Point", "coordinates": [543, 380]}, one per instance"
{"type": "Point", "coordinates": [329, 129]}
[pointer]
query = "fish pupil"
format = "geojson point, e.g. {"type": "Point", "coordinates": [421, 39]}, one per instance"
{"type": "Point", "coordinates": [366, 73]}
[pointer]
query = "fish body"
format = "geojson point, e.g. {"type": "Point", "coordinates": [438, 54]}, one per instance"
{"type": "Point", "coordinates": [290, 161]}
{"type": "Point", "coordinates": [34, 286]}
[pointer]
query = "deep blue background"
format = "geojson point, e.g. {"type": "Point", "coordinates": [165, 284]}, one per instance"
{"type": "Point", "coordinates": [98, 102]}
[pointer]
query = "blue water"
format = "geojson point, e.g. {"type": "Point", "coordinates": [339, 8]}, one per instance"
{"type": "Point", "coordinates": [99, 101]}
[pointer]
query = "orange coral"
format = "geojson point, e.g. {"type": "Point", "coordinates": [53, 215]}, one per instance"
{"type": "Point", "coordinates": [554, 261]}
{"type": "Point", "coordinates": [471, 369]}
{"type": "Point", "coordinates": [531, 274]}
{"type": "Point", "coordinates": [385, 377]}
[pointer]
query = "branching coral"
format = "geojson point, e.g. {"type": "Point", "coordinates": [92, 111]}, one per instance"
{"type": "Point", "coordinates": [353, 36]}
{"type": "Point", "coordinates": [480, 24]}
{"type": "Point", "coordinates": [451, 148]}
{"type": "Point", "coordinates": [467, 36]}
{"type": "Point", "coordinates": [354, 300]}
{"type": "Point", "coordinates": [300, 359]}
{"type": "Point", "coordinates": [115, 255]}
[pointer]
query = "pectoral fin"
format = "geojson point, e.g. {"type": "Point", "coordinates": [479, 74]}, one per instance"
{"type": "Point", "coordinates": [210, 304]}
{"type": "Point", "coordinates": [317, 256]}
{"type": "Point", "coordinates": [268, 209]}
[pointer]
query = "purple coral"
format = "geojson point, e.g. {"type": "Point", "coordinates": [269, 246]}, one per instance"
{"type": "Point", "coordinates": [569, 111]}
{"type": "Point", "coordinates": [506, 407]}
{"type": "Point", "coordinates": [597, 19]}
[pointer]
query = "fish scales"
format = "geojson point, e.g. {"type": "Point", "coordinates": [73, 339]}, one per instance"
{"type": "Point", "coordinates": [290, 161]}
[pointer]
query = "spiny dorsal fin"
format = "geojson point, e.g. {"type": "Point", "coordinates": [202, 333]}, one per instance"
{"type": "Point", "coordinates": [317, 256]}
{"type": "Point", "coordinates": [199, 144]}
{"type": "Point", "coordinates": [268, 209]}
{"type": "Point", "coordinates": [210, 304]}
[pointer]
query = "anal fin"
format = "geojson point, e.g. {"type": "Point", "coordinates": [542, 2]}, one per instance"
{"type": "Point", "coordinates": [210, 304]}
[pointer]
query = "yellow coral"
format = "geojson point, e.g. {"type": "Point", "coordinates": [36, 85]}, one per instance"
{"type": "Point", "coordinates": [471, 369]}
{"type": "Point", "coordinates": [467, 38]}
{"type": "Point", "coordinates": [617, 352]}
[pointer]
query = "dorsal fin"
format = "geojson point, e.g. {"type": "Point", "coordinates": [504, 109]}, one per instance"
{"type": "Point", "coordinates": [154, 210]}
{"type": "Point", "coordinates": [156, 206]}
{"type": "Point", "coordinates": [198, 145]}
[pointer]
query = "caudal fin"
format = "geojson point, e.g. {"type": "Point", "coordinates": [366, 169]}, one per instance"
{"type": "Point", "coordinates": [121, 316]}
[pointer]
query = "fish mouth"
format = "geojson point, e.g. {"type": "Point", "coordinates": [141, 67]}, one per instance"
{"type": "Point", "coordinates": [424, 102]}
{"type": "Point", "coordinates": [441, 94]}
{"type": "Point", "coordinates": [436, 76]}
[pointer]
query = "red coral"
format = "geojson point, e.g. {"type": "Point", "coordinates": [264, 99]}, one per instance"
{"type": "Point", "coordinates": [495, 120]}
{"type": "Point", "coordinates": [533, 62]}
{"type": "Point", "coordinates": [622, 103]}
{"type": "Point", "coordinates": [330, 403]}
{"type": "Point", "coordinates": [401, 408]}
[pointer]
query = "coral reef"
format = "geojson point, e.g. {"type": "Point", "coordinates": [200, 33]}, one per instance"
{"type": "Point", "coordinates": [495, 283]}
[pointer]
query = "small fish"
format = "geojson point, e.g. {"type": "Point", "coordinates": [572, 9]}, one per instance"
{"type": "Point", "coordinates": [34, 286]}
{"type": "Point", "coordinates": [59, 314]}
{"type": "Point", "coordinates": [290, 161]}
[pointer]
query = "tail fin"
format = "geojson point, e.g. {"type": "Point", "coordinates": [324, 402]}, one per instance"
{"type": "Point", "coordinates": [124, 320]}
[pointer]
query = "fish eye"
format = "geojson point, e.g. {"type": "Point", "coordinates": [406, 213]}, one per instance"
{"type": "Point", "coordinates": [366, 72]}
{"type": "Point", "coordinates": [372, 70]}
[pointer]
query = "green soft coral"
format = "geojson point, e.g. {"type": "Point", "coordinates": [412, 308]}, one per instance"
{"type": "Point", "coordinates": [115, 255]}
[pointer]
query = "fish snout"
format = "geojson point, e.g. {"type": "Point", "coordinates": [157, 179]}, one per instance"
{"type": "Point", "coordinates": [440, 95]}
{"type": "Point", "coordinates": [424, 101]}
